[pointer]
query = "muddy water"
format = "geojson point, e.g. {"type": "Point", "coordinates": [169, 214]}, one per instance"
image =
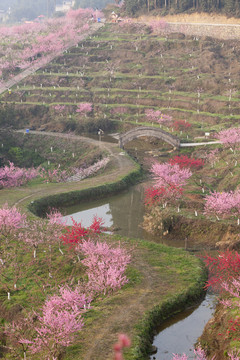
{"type": "Point", "coordinates": [125, 213]}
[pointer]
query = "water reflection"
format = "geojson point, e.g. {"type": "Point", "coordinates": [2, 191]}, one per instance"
{"type": "Point", "coordinates": [86, 216]}
{"type": "Point", "coordinates": [183, 330]}
{"type": "Point", "coordinates": [124, 212]}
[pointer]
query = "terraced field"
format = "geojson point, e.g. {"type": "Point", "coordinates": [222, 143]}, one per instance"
{"type": "Point", "coordinates": [124, 70]}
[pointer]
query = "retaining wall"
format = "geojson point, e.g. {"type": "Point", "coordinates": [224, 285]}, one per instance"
{"type": "Point", "coordinates": [219, 31]}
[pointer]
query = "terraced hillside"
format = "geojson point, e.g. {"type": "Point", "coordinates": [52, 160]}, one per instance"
{"type": "Point", "coordinates": [124, 70]}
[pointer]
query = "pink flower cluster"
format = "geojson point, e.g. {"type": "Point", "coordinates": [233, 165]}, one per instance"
{"type": "Point", "coordinates": [84, 108]}
{"type": "Point", "coordinates": [123, 341]}
{"type": "Point", "coordinates": [55, 175]}
{"type": "Point", "coordinates": [60, 320]}
{"type": "Point", "coordinates": [105, 266]}
{"type": "Point", "coordinates": [61, 315]}
{"type": "Point", "coordinates": [11, 219]}
{"type": "Point", "coordinates": [158, 116]}
{"type": "Point", "coordinates": [59, 108]}
{"type": "Point", "coordinates": [40, 41]}
{"type": "Point", "coordinates": [11, 176]}
{"type": "Point", "coordinates": [212, 156]}
{"type": "Point", "coordinates": [229, 137]}
{"type": "Point", "coordinates": [233, 289]}
{"type": "Point", "coordinates": [166, 174]}
{"type": "Point", "coordinates": [223, 203]}
{"type": "Point", "coordinates": [198, 352]}
{"type": "Point", "coordinates": [55, 217]}
{"type": "Point", "coordinates": [74, 174]}
{"type": "Point", "coordinates": [82, 173]}
{"type": "Point", "coordinates": [158, 25]}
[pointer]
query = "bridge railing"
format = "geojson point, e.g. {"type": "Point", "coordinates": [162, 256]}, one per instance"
{"type": "Point", "coordinates": [148, 131]}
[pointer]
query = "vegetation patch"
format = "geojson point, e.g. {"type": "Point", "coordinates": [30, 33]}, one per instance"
{"type": "Point", "coordinates": [41, 206]}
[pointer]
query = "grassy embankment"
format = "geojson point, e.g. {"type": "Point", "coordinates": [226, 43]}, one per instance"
{"type": "Point", "coordinates": [162, 281]}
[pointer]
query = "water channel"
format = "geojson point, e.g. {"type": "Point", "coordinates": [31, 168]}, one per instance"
{"type": "Point", "coordinates": [124, 212]}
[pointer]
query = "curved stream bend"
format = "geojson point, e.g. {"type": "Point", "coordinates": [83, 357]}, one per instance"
{"type": "Point", "coordinates": [125, 213]}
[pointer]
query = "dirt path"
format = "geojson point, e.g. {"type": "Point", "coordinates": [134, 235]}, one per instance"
{"type": "Point", "coordinates": [122, 316]}
{"type": "Point", "coordinates": [198, 24]}
{"type": "Point", "coordinates": [121, 312]}
{"type": "Point", "coordinates": [122, 164]}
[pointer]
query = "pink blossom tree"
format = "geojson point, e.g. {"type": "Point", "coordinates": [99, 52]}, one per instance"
{"type": "Point", "coordinates": [222, 203]}
{"type": "Point", "coordinates": [159, 25]}
{"type": "Point", "coordinates": [166, 174]}
{"type": "Point", "coordinates": [229, 137]}
{"type": "Point", "coordinates": [233, 289]}
{"type": "Point", "coordinates": [34, 235]}
{"type": "Point", "coordinates": [17, 332]}
{"type": "Point", "coordinates": [212, 157]}
{"type": "Point", "coordinates": [59, 108]}
{"type": "Point", "coordinates": [58, 324]}
{"type": "Point", "coordinates": [84, 108]}
{"type": "Point", "coordinates": [198, 352]}
{"type": "Point", "coordinates": [82, 173]}
{"type": "Point", "coordinates": [56, 217]}
{"type": "Point", "coordinates": [105, 266]}
{"type": "Point", "coordinates": [10, 219]}
{"type": "Point", "coordinates": [40, 41]}
{"type": "Point", "coordinates": [169, 180]}
{"type": "Point", "coordinates": [158, 116]}
{"type": "Point", "coordinates": [53, 175]}
{"type": "Point", "coordinates": [40, 232]}
{"type": "Point", "coordinates": [12, 176]}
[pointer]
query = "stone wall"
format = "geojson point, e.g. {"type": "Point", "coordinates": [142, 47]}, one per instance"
{"type": "Point", "coordinates": [219, 31]}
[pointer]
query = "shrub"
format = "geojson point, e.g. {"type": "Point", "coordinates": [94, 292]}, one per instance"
{"type": "Point", "coordinates": [184, 161]}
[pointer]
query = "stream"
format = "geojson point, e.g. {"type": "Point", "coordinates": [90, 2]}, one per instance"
{"type": "Point", "coordinates": [125, 213]}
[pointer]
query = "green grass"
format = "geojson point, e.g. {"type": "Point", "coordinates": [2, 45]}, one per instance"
{"type": "Point", "coordinates": [182, 272]}
{"type": "Point", "coordinates": [175, 267]}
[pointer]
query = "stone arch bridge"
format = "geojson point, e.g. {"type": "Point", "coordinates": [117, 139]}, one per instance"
{"type": "Point", "coordinates": [148, 131]}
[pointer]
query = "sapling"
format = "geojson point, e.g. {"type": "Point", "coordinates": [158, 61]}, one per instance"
{"type": "Point", "coordinates": [11, 219]}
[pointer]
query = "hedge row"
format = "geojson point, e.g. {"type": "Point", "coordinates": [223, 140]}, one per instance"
{"type": "Point", "coordinates": [153, 318]}
{"type": "Point", "coordinates": [42, 206]}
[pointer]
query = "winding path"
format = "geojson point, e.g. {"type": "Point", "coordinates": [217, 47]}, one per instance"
{"type": "Point", "coordinates": [122, 165]}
